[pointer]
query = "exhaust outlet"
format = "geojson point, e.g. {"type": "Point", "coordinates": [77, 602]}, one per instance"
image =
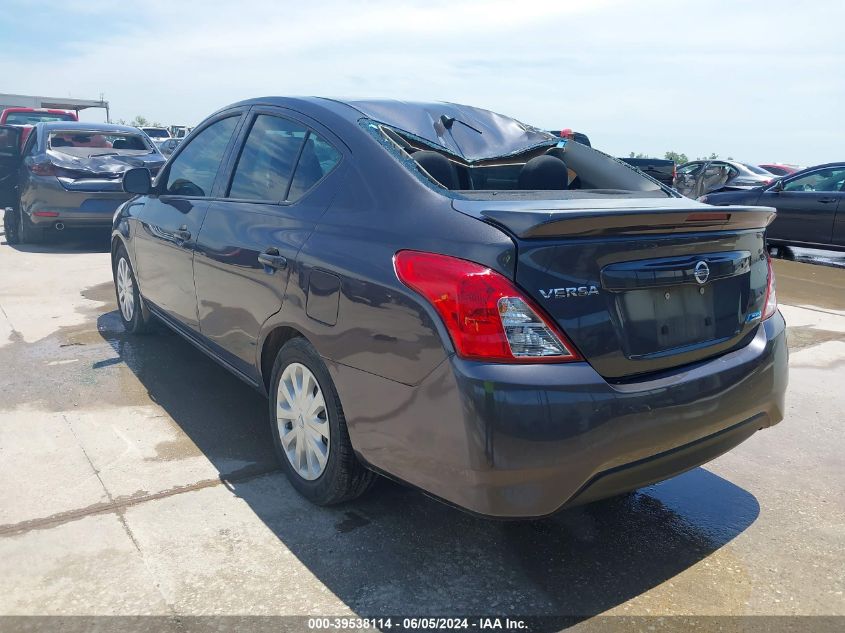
{"type": "Point", "coordinates": [60, 226]}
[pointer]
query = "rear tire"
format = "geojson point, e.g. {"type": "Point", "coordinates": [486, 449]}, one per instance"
{"type": "Point", "coordinates": [27, 233]}
{"type": "Point", "coordinates": [10, 226]}
{"type": "Point", "coordinates": [133, 313]}
{"type": "Point", "coordinates": [309, 428]}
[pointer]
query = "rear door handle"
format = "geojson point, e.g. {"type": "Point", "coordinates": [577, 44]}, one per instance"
{"type": "Point", "coordinates": [827, 200]}
{"type": "Point", "coordinates": [182, 234]}
{"type": "Point", "coordinates": [272, 259]}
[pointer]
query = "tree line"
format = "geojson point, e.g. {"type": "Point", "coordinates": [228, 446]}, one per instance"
{"type": "Point", "coordinates": [140, 121]}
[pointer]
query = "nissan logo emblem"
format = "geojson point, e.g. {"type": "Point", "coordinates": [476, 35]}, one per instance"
{"type": "Point", "coordinates": [702, 272]}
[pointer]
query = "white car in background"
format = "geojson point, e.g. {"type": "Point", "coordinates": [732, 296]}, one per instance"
{"type": "Point", "coordinates": [158, 135]}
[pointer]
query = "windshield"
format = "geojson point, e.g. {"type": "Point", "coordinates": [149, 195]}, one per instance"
{"type": "Point", "coordinates": [82, 143]}
{"type": "Point", "coordinates": [31, 118]}
{"type": "Point", "coordinates": [156, 132]}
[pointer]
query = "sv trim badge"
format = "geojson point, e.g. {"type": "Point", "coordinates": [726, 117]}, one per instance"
{"type": "Point", "coordinates": [563, 293]}
{"type": "Point", "coordinates": [701, 272]}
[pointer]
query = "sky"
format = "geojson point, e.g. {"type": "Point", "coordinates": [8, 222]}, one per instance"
{"type": "Point", "coordinates": [757, 81]}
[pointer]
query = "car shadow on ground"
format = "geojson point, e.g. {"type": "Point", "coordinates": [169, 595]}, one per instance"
{"type": "Point", "coordinates": [835, 259]}
{"type": "Point", "coordinates": [67, 242]}
{"type": "Point", "coordinates": [396, 551]}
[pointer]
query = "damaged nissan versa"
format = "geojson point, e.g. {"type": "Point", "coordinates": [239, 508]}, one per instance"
{"type": "Point", "coordinates": [511, 322]}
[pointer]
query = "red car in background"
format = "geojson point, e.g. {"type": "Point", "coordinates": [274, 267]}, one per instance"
{"type": "Point", "coordinates": [31, 116]}
{"type": "Point", "coordinates": [27, 117]}
{"type": "Point", "coordinates": [779, 169]}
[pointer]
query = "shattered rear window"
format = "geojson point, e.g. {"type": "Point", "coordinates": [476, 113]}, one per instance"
{"type": "Point", "coordinates": [95, 143]}
{"type": "Point", "coordinates": [552, 169]}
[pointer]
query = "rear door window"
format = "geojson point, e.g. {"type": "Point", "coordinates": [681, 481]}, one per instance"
{"type": "Point", "coordinates": [317, 160]}
{"type": "Point", "coordinates": [193, 171]}
{"type": "Point", "coordinates": [280, 161]}
{"type": "Point", "coordinates": [267, 160]}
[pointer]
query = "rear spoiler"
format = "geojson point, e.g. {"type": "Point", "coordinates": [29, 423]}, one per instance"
{"type": "Point", "coordinates": [693, 217]}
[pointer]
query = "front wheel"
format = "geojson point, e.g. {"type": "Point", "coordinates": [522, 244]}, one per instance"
{"type": "Point", "coordinates": [134, 315]}
{"type": "Point", "coordinates": [309, 429]}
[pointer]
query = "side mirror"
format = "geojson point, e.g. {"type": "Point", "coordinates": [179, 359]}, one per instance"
{"type": "Point", "coordinates": [137, 181]}
{"type": "Point", "coordinates": [778, 186]}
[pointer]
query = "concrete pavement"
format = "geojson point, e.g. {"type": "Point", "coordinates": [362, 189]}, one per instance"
{"type": "Point", "coordinates": [137, 477]}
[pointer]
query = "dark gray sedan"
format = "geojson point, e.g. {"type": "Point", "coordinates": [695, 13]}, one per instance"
{"type": "Point", "coordinates": [68, 174]}
{"type": "Point", "coordinates": [510, 321]}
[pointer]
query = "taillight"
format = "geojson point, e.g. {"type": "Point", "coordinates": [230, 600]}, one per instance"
{"type": "Point", "coordinates": [487, 317]}
{"type": "Point", "coordinates": [43, 169]}
{"type": "Point", "coordinates": [771, 304]}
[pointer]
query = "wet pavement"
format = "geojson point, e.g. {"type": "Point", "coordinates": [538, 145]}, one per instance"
{"type": "Point", "coordinates": [137, 477]}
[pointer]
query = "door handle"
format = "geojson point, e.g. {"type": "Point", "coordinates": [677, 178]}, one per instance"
{"type": "Point", "coordinates": [182, 234]}
{"type": "Point", "coordinates": [826, 200]}
{"type": "Point", "coordinates": [272, 259]}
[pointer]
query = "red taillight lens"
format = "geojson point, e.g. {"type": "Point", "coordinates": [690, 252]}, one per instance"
{"type": "Point", "coordinates": [43, 169]}
{"type": "Point", "coordinates": [487, 317]}
{"type": "Point", "coordinates": [771, 304]}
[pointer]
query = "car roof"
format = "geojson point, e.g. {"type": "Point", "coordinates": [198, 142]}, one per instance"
{"type": "Point", "coordinates": [452, 126]}
{"type": "Point", "coordinates": [27, 109]}
{"type": "Point", "coordinates": [69, 126]}
{"type": "Point", "coordinates": [815, 167]}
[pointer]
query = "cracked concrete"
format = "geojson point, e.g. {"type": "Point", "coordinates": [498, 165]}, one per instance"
{"type": "Point", "coordinates": [137, 477]}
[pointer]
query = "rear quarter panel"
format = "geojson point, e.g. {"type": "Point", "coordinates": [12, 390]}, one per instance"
{"type": "Point", "coordinates": [383, 327]}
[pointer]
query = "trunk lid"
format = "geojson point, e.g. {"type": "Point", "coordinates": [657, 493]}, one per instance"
{"type": "Point", "coordinates": [639, 285]}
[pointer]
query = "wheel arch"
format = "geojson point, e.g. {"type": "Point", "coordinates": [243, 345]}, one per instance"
{"type": "Point", "coordinates": [116, 242]}
{"type": "Point", "coordinates": [272, 342]}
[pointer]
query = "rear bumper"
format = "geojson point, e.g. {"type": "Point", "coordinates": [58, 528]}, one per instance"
{"type": "Point", "coordinates": [524, 441]}
{"type": "Point", "coordinates": [74, 208]}
{"type": "Point", "coordinates": [667, 464]}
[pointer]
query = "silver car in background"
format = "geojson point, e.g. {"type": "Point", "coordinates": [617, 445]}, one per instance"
{"type": "Point", "coordinates": [699, 177]}
{"type": "Point", "coordinates": [168, 146]}
{"type": "Point", "coordinates": [68, 174]}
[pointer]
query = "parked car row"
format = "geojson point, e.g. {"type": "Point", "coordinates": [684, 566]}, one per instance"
{"type": "Point", "coordinates": [810, 202]}
{"type": "Point", "coordinates": [810, 206]}
{"type": "Point", "coordinates": [698, 177]}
